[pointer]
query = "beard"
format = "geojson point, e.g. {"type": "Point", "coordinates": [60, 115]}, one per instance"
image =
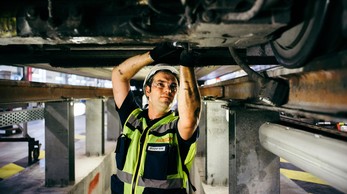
{"type": "Point", "coordinates": [165, 103]}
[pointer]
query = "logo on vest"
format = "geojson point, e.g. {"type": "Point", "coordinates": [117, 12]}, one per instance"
{"type": "Point", "coordinates": [156, 148]}
{"type": "Point", "coordinates": [168, 139]}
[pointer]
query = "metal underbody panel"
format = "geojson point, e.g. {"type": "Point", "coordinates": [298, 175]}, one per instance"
{"type": "Point", "coordinates": [203, 23]}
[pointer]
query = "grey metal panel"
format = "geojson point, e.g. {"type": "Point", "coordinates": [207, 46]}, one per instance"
{"type": "Point", "coordinates": [253, 169]}
{"type": "Point", "coordinates": [217, 133]}
{"type": "Point", "coordinates": [20, 116]}
{"type": "Point", "coordinates": [59, 144]}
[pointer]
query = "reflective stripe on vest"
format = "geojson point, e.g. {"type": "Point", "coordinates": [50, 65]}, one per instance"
{"type": "Point", "coordinates": [162, 184]}
{"type": "Point", "coordinates": [124, 176]}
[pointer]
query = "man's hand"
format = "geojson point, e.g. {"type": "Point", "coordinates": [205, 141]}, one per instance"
{"type": "Point", "coordinates": [163, 50]}
{"type": "Point", "coordinates": [189, 58]}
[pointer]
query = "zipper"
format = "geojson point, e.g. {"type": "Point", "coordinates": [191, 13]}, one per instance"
{"type": "Point", "coordinates": [142, 142]}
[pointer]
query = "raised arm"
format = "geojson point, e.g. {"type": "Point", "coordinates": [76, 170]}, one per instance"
{"type": "Point", "coordinates": [189, 101]}
{"type": "Point", "coordinates": [122, 74]}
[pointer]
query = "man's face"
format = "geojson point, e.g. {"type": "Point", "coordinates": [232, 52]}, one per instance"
{"type": "Point", "coordinates": [163, 89]}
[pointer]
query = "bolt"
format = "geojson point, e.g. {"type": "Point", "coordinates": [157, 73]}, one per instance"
{"type": "Point", "coordinates": [31, 13]}
{"type": "Point", "coordinates": [208, 16]}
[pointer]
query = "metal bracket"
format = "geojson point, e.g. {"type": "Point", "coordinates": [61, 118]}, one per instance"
{"type": "Point", "coordinates": [273, 91]}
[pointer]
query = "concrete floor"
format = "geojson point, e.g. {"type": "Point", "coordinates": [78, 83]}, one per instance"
{"type": "Point", "coordinates": [31, 178]}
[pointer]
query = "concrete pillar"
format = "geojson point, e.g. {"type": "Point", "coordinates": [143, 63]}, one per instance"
{"type": "Point", "coordinates": [59, 144]}
{"type": "Point", "coordinates": [252, 168]}
{"type": "Point", "coordinates": [113, 121]}
{"type": "Point", "coordinates": [217, 136]}
{"type": "Point", "coordinates": [95, 133]}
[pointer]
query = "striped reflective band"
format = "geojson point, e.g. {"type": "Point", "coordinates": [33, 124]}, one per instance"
{"type": "Point", "coordinates": [124, 176]}
{"type": "Point", "coordinates": [164, 128]}
{"type": "Point", "coordinates": [134, 125]}
{"type": "Point", "coordinates": [162, 184]}
{"type": "Point", "coordinates": [133, 120]}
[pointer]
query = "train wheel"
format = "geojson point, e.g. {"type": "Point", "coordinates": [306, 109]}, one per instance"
{"type": "Point", "coordinates": [297, 44]}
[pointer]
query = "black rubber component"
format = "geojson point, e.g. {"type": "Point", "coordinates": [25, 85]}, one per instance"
{"type": "Point", "coordinates": [297, 44]}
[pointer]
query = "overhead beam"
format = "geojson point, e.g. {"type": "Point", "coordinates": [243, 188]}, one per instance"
{"type": "Point", "coordinates": [321, 91]}
{"type": "Point", "coordinates": [319, 87]}
{"type": "Point", "coordinates": [100, 73]}
{"type": "Point", "coordinates": [237, 89]}
{"type": "Point", "coordinates": [23, 91]}
{"type": "Point", "coordinates": [69, 56]}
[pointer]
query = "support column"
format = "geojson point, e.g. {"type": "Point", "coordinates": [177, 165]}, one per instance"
{"type": "Point", "coordinates": [217, 138]}
{"type": "Point", "coordinates": [252, 168]}
{"type": "Point", "coordinates": [95, 133]}
{"type": "Point", "coordinates": [59, 144]}
{"type": "Point", "coordinates": [201, 142]}
{"type": "Point", "coordinates": [113, 121]}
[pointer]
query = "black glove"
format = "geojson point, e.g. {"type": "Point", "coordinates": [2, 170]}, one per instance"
{"type": "Point", "coordinates": [189, 58]}
{"type": "Point", "coordinates": [163, 50]}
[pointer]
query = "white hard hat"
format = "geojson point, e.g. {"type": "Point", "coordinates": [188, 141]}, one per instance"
{"type": "Point", "coordinates": [160, 67]}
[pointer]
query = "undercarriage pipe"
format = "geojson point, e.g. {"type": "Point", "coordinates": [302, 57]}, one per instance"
{"type": "Point", "coordinates": [321, 156]}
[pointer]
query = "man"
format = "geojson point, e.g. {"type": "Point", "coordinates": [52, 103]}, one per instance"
{"type": "Point", "coordinates": [156, 148]}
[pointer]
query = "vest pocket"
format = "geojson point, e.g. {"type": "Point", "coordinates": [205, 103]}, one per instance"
{"type": "Point", "coordinates": [117, 186]}
{"type": "Point", "coordinates": [172, 163]}
{"type": "Point", "coordinates": [123, 143]}
{"type": "Point", "coordinates": [161, 160]}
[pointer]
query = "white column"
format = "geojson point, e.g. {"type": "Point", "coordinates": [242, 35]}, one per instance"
{"type": "Point", "coordinates": [95, 134]}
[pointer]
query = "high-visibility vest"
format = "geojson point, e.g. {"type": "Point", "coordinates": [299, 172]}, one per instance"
{"type": "Point", "coordinates": [149, 156]}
